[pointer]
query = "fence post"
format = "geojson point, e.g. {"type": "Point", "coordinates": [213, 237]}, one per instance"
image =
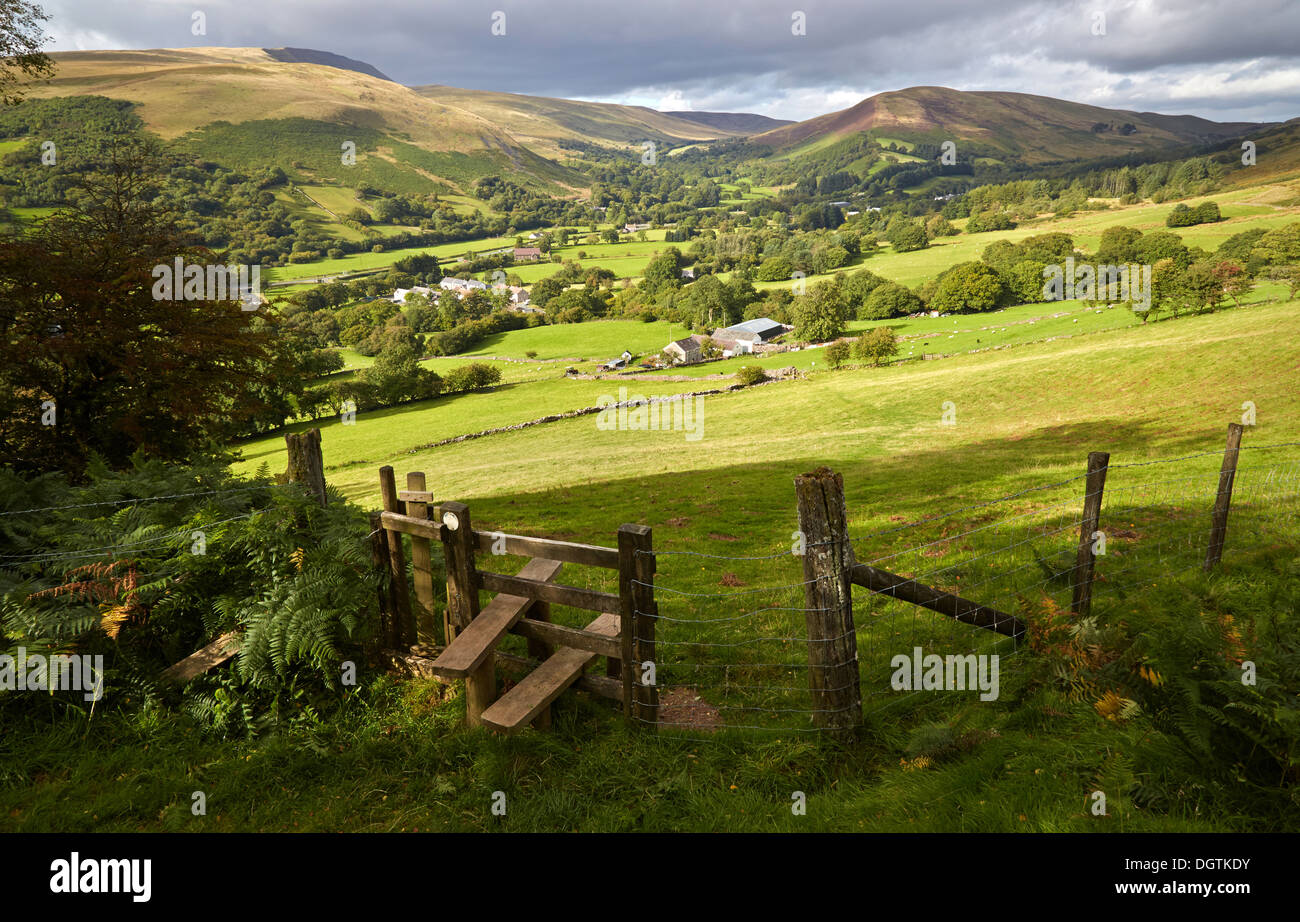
{"type": "Point", "coordinates": [1222, 500]}
{"type": "Point", "coordinates": [462, 604]}
{"type": "Point", "coordinates": [397, 559]}
{"type": "Point", "coordinates": [1086, 561]}
{"type": "Point", "coordinates": [636, 576]}
{"type": "Point", "coordinates": [388, 624]}
{"type": "Point", "coordinates": [541, 651]}
{"type": "Point", "coordinates": [421, 562]}
{"type": "Point", "coordinates": [828, 592]}
{"type": "Point", "coordinates": [306, 465]}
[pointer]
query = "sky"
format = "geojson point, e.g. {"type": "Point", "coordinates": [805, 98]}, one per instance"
{"type": "Point", "coordinates": [1228, 60]}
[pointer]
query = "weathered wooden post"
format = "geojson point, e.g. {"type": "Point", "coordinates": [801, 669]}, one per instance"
{"type": "Point", "coordinates": [417, 506]}
{"type": "Point", "coordinates": [828, 593]}
{"type": "Point", "coordinates": [1223, 499]}
{"type": "Point", "coordinates": [389, 626]}
{"type": "Point", "coordinates": [306, 465]}
{"type": "Point", "coordinates": [636, 576]}
{"type": "Point", "coordinates": [397, 559]}
{"type": "Point", "coordinates": [540, 650]}
{"type": "Point", "coordinates": [462, 604]}
{"type": "Point", "coordinates": [1086, 560]}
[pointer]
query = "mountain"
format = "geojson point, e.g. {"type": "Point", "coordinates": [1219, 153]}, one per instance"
{"type": "Point", "coordinates": [542, 123]}
{"type": "Point", "coordinates": [1034, 129]}
{"type": "Point", "coordinates": [329, 59]}
{"type": "Point", "coordinates": [737, 122]}
{"type": "Point", "coordinates": [245, 107]}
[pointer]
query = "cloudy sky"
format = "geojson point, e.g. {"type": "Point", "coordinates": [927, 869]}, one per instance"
{"type": "Point", "coordinates": [1222, 59]}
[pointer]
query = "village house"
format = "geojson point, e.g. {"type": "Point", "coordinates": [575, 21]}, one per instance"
{"type": "Point", "coordinates": [462, 287]}
{"type": "Point", "coordinates": [527, 254]}
{"type": "Point", "coordinates": [686, 351]}
{"type": "Point", "coordinates": [633, 228]}
{"type": "Point", "coordinates": [399, 296]}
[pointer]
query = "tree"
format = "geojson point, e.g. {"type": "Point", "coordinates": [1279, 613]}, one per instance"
{"type": "Point", "coordinates": [905, 235]}
{"type": "Point", "coordinates": [21, 38]}
{"type": "Point", "coordinates": [890, 300]}
{"type": "Point", "coordinates": [92, 362]}
{"type": "Point", "coordinates": [663, 271]}
{"type": "Point", "coordinates": [821, 314]}
{"type": "Point", "coordinates": [837, 353]}
{"type": "Point", "coordinates": [397, 375]}
{"type": "Point", "coordinates": [968, 287]}
{"type": "Point", "coordinates": [877, 346]}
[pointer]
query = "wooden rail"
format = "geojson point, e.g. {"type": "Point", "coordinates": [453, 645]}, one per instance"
{"type": "Point", "coordinates": [945, 603]}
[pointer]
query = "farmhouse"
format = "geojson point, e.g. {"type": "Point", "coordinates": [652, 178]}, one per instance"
{"type": "Point", "coordinates": [399, 295]}
{"type": "Point", "coordinates": [743, 337]}
{"type": "Point", "coordinates": [686, 351]}
{"type": "Point", "coordinates": [527, 254]}
{"type": "Point", "coordinates": [462, 287]}
{"type": "Point", "coordinates": [633, 228]}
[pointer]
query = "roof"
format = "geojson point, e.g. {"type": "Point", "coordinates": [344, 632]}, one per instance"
{"type": "Point", "coordinates": [688, 343]}
{"type": "Point", "coordinates": [761, 326]}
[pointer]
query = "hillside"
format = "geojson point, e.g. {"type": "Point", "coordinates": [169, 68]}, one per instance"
{"type": "Point", "coordinates": [742, 122]}
{"type": "Point", "coordinates": [239, 99]}
{"type": "Point", "coordinates": [1031, 128]}
{"type": "Point", "coordinates": [329, 59]}
{"type": "Point", "coordinates": [541, 122]}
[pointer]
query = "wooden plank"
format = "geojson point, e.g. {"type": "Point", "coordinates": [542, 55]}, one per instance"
{"type": "Point", "coordinates": [463, 605]}
{"type": "Point", "coordinates": [214, 654]}
{"type": "Point", "coordinates": [554, 593]}
{"type": "Point", "coordinates": [421, 563]}
{"type": "Point", "coordinates": [595, 684]}
{"type": "Point", "coordinates": [540, 650]}
{"type": "Point", "coordinates": [543, 685]}
{"type": "Point", "coordinates": [945, 603]}
{"type": "Point", "coordinates": [1086, 561]}
{"type": "Point", "coordinates": [1223, 499]}
{"type": "Point", "coordinates": [833, 675]}
{"type": "Point", "coordinates": [415, 496]}
{"type": "Point", "coordinates": [562, 636]}
{"type": "Point", "coordinates": [423, 528]}
{"type": "Point", "coordinates": [590, 555]}
{"type": "Point", "coordinates": [475, 644]}
{"type": "Point", "coordinates": [396, 556]}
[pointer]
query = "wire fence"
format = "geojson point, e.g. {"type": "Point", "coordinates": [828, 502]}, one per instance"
{"type": "Point", "coordinates": [737, 656]}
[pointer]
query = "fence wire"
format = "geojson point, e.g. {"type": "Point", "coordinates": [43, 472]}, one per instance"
{"type": "Point", "coordinates": [737, 656]}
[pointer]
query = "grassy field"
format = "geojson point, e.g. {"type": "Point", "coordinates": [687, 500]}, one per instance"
{"type": "Point", "coordinates": [396, 757]}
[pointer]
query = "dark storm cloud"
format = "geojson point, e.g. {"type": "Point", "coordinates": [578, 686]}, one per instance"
{"type": "Point", "coordinates": [1235, 59]}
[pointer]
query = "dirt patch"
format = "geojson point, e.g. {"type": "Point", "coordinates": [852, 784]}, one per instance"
{"type": "Point", "coordinates": [681, 707]}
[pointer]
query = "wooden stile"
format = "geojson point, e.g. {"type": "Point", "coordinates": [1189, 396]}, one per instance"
{"type": "Point", "coordinates": [463, 605]}
{"type": "Point", "coordinates": [389, 628]}
{"type": "Point", "coordinates": [1223, 499]}
{"type": "Point", "coordinates": [421, 562]}
{"type": "Point", "coordinates": [397, 558]}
